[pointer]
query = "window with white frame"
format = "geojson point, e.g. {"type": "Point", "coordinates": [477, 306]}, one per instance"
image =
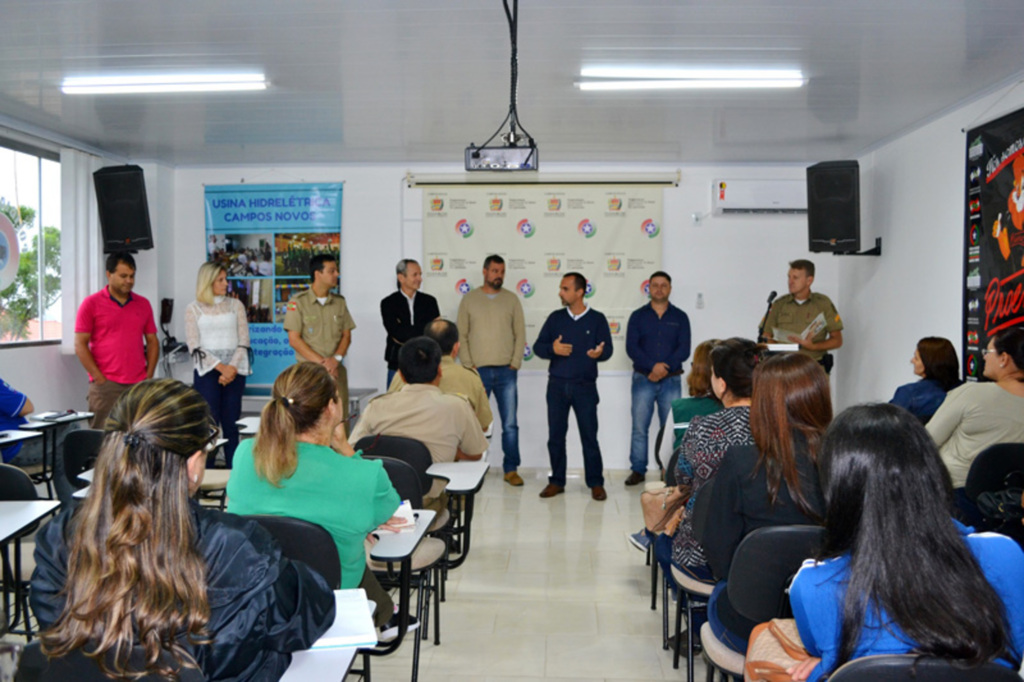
{"type": "Point", "coordinates": [30, 256]}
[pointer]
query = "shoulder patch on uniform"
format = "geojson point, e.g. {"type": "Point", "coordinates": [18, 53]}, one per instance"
{"type": "Point", "coordinates": [292, 305]}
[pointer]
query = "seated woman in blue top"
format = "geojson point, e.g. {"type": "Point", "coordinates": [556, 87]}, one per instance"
{"type": "Point", "coordinates": [936, 363]}
{"type": "Point", "coordinates": [897, 575]}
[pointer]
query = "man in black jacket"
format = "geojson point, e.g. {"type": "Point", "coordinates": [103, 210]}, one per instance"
{"type": "Point", "coordinates": [406, 312]}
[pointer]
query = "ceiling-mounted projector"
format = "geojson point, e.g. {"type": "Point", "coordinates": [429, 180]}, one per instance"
{"type": "Point", "coordinates": [501, 158]}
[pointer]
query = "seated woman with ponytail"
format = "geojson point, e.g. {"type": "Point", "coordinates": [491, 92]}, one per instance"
{"type": "Point", "coordinates": [139, 565]}
{"type": "Point", "coordinates": [897, 574]}
{"type": "Point", "coordinates": [290, 469]}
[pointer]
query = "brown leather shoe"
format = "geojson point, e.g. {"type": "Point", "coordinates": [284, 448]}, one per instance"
{"type": "Point", "coordinates": [635, 478]}
{"type": "Point", "coordinates": [598, 493]}
{"type": "Point", "coordinates": [513, 478]}
{"type": "Point", "coordinates": [551, 490]}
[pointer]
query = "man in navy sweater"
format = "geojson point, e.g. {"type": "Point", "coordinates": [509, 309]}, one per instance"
{"type": "Point", "coordinates": [574, 340]}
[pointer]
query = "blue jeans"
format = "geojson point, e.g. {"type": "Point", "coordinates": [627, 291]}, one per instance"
{"type": "Point", "coordinates": [225, 407]}
{"type": "Point", "coordinates": [645, 394]}
{"type": "Point", "coordinates": [724, 634]}
{"type": "Point", "coordinates": [502, 381]}
{"type": "Point", "coordinates": [583, 399]}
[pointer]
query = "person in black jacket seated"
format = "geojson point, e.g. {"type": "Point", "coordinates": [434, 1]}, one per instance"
{"type": "Point", "coordinates": [138, 564]}
{"type": "Point", "coordinates": [406, 312]}
{"type": "Point", "coordinates": [771, 483]}
{"type": "Point", "coordinates": [936, 363]}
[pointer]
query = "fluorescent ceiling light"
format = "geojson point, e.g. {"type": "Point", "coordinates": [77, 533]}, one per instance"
{"type": "Point", "coordinates": [157, 83]}
{"type": "Point", "coordinates": [690, 74]}
{"type": "Point", "coordinates": [686, 84]}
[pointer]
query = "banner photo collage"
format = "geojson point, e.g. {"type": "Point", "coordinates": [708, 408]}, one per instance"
{"type": "Point", "coordinates": [994, 235]}
{"type": "Point", "coordinates": [611, 234]}
{"type": "Point", "coordinates": [264, 236]}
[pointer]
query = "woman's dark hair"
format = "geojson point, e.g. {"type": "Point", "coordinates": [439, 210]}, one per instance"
{"type": "Point", "coordinates": [299, 397]}
{"type": "Point", "coordinates": [1011, 342]}
{"type": "Point", "coordinates": [698, 381]}
{"type": "Point", "coordinates": [888, 503]}
{"type": "Point", "coordinates": [134, 574]}
{"type": "Point", "coordinates": [940, 362]}
{"type": "Point", "coordinates": [791, 402]}
{"type": "Point", "coordinates": [733, 361]}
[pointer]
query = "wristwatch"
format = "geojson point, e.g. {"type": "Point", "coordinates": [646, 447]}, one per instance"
{"type": "Point", "coordinates": [339, 358]}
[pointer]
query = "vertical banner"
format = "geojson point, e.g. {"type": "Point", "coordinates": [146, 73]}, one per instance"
{"type": "Point", "coordinates": [264, 236]}
{"type": "Point", "coordinates": [994, 235]}
{"type": "Point", "coordinates": [611, 234]}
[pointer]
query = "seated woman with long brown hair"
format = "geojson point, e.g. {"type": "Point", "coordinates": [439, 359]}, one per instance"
{"type": "Point", "coordinates": [290, 469]}
{"type": "Point", "coordinates": [773, 482]}
{"type": "Point", "coordinates": [138, 564]}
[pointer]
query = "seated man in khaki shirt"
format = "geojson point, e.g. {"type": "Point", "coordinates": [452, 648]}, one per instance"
{"type": "Point", "coordinates": [444, 423]}
{"type": "Point", "coordinates": [455, 379]}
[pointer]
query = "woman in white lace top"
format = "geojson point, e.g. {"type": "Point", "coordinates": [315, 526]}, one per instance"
{"type": "Point", "coordinates": [217, 334]}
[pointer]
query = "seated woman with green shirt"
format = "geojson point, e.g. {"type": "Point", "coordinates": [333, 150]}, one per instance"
{"type": "Point", "coordinates": [290, 469]}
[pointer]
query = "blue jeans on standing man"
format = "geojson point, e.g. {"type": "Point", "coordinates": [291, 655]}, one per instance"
{"type": "Point", "coordinates": [645, 394]}
{"type": "Point", "coordinates": [501, 380]}
{"type": "Point", "coordinates": [582, 397]}
{"type": "Point", "coordinates": [225, 408]}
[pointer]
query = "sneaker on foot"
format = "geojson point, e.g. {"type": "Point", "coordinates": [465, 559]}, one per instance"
{"type": "Point", "coordinates": [389, 630]}
{"type": "Point", "coordinates": [639, 540]}
{"type": "Point", "coordinates": [513, 478]}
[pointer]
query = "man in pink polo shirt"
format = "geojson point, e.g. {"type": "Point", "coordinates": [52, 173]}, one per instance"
{"type": "Point", "coordinates": [109, 331]}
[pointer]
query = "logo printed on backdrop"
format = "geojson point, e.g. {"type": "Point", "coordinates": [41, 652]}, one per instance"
{"type": "Point", "coordinates": [975, 235]}
{"type": "Point", "coordinates": [973, 305]}
{"type": "Point", "coordinates": [587, 228]}
{"type": "Point", "coordinates": [650, 228]}
{"type": "Point", "coordinates": [614, 264]}
{"type": "Point", "coordinates": [646, 287]}
{"type": "Point", "coordinates": [614, 204]}
{"type": "Point", "coordinates": [972, 337]}
{"type": "Point", "coordinates": [554, 264]}
{"type": "Point", "coordinates": [524, 288]}
{"type": "Point", "coordinates": [464, 228]}
{"type": "Point", "coordinates": [614, 326]}
{"type": "Point", "coordinates": [589, 290]}
{"type": "Point", "coordinates": [525, 228]}
{"type": "Point", "coordinates": [462, 286]}
{"type": "Point", "coordinates": [972, 366]}
{"type": "Point", "coordinates": [437, 204]}
{"type": "Point", "coordinates": [496, 204]}
{"type": "Point", "coordinates": [554, 204]}
{"type": "Point", "coordinates": [437, 264]}
{"type": "Point", "coordinates": [527, 352]}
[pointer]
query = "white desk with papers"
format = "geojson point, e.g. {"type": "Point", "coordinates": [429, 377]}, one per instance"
{"type": "Point", "coordinates": [331, 656]}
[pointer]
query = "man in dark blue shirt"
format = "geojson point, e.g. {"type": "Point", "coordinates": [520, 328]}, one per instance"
{"type": "Point", "coordinates": [657, 341]}
{"type": "Point", "coordinates": [574, 340]}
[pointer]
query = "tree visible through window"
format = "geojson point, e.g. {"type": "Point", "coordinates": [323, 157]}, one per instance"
{"type": "Point", "coordinates": [30, 199]}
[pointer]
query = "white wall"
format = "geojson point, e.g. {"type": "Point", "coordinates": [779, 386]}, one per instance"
{"type": "Point", "coordinates": [915, 201]}
{"type": "Point", "coordinates": [733, 261]}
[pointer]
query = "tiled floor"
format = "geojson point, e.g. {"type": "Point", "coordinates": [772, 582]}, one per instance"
{"type": "Point", "coordinates": [551, 590]}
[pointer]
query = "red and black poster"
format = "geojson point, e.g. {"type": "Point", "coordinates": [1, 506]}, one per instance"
{"type": "Point", "coordinates": [994, 236]}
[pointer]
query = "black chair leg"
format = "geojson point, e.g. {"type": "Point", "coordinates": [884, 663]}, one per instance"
{"type": "Point", "coordinates": [664, 610]}
{"type": "Point", "coordinates": [654, 577]}
{"type": "Point", "coordinates": [679, 626]}
{"type": "Point", "coordinates": [437, 609]}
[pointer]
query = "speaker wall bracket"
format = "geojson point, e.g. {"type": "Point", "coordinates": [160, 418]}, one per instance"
{"type": "Point", "coordinates": [876, 251]}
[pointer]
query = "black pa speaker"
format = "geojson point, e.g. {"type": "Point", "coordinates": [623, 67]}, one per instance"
{"type": "Point", "coordinates": [833, 207]}
{"type": "Point", "coordinates": [124, 210]}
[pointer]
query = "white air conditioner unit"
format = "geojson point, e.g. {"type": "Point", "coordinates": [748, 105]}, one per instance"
{"type": "Point", "coordinates": [760, 196]}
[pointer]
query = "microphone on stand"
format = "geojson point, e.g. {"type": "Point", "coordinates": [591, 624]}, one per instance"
{"type": "Point", "coordinates": [760, 329]}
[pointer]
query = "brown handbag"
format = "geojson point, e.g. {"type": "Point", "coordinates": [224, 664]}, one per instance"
{"type": "Point", "coordinates": [775, 647]}
{"type": "Point", "coordinates": [662, 506]}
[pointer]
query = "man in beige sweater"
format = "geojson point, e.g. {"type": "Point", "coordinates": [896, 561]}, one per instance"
{"type": "Point", "coordinates": [493, 338]}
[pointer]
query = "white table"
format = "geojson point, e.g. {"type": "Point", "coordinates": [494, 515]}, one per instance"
{"type": "Point", "coordinates": [15, 518]}
{"type": "Point", "coordinates": [464, 481]}
{"type": "Point", "coordinates": [325, 662]}
{"type": "Point", "coordinates": [14, 435]}
{"type": "Point", "coordinates": [248, 426]}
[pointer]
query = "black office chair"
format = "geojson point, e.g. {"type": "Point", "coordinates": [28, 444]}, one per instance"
{"type": "Point", "coordinates": [758, 584]}
{"type": "Point", "coordinates": [36, 667]}
{"type": "Point", "coordinates": [426, 560]}
{"type": "Point", "coordinates": [80, 450]}
{"type": "Point", "coordinates": [693, 593]}
{"type": "Point", "coordinates": [912, 668]}
{"type": "Point", "coordinates": [306, 542]}
{"type": "Point", "coordinates": [996, 468]}
{"type": "Point", "coordinates": [16, 485]}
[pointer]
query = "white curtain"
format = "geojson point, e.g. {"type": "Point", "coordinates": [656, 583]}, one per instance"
{"type": "Point", "coordinates": [81, 252]}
